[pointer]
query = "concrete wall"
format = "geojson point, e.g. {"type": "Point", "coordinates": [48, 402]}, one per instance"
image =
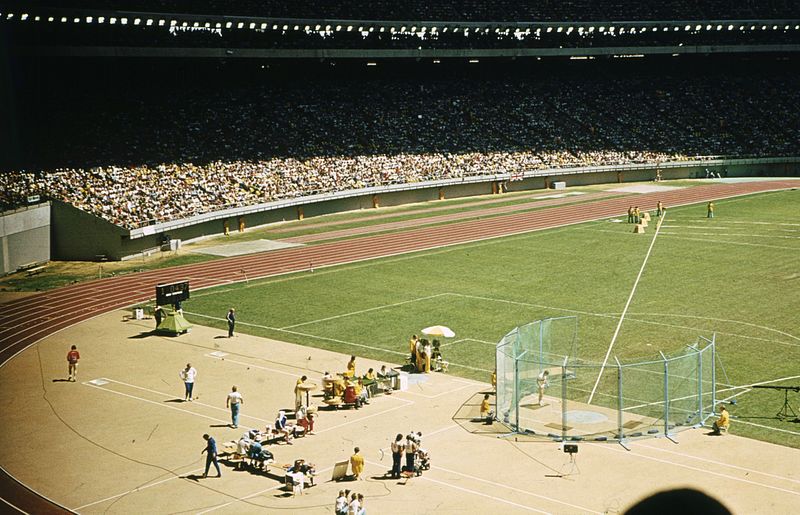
{"type": "Point", "coordinates": [24, 237]}
{"type": "Point", "coordinates": [80, 236]}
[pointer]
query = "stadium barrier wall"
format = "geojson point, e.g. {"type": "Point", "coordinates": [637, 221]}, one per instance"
{"type": "Point", "coordinates": [25, 237]}
{"type": "Point", "coordinates": [100, 239]}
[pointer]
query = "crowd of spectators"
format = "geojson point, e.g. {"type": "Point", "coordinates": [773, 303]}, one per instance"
{"type": "Point", "coordinates": [458, 10]}
{"type": "Point", "coordinates": [169, 153]}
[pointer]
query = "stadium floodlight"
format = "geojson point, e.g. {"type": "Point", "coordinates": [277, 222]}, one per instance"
{"type": "Point", "coordinates": [708, 27]}
{"type": "Point", "coordinates": [611, 29]}
{"type": "Point", "coordinates": [161, 23]}
{"type": "Point", "coordinates": [149, 22]}
{"type": "Point", "coordinates": [23, 17]}
{"type": "Point", "coordinates": [349, 28]}
{"type": "Point", "coordinates": [382, 29]}
{"type": "Point", "coordinates": [100, 19]}
{"type": "Point", "coordinates": [317, 27]}
{"type": "Point", "coordinates": [436, 61]}
{"type": "Point", "coordinates": [797, 27]}
{"type": "Point", "coordinates": [687, 28]}
{"type": "Point", "coordinates": [252, 25]}
{"type": "Point", "coordinates": [549, 29]}
{"type": "Point", "coordinates": [698, 28]}
{"type": "Point", "coordinates": [730, 27]}
{"type": "Point", "coordinates": [559, 29]}
{"type": "Point", "coordinates": [88, 19]}
{"type": "Point", "coordinates": [774, 27]}
{"type": "Point", "coordinates": [372, 64]}
{"type": "Point", "coordinates": [217, 25]}
{"type": "Point", "coordinates": [338, 28]}
{"type": "Point", "coordinates": [285, 27]}
{"type": "Point", "coordinates": [413, 29]}
{"type": "Point", "coordinates": [786, 27]}
{"type": "Point", "coordinates": [752, 27]}
{"type": "Point", "coordinates": [196, 24]}
{"type": "Point", "coordinates": [124, 21]}
{"type": "Point", "coordinates": [37, 18]}
{"type": "Point", "coordinates": [719, 27]}
{"type": "Point", "coordinates": [184, 24]}
{"type": "Point", "coordinates": [137, 21]}
{"type": "Point", "coordinates": [474, 61]}
{"type": "Point", "coordinates": [50, 19]}
{"type": "Point", "coordinates": [263, 26]}
{"type": "Point", "coordinates": [763, 27]}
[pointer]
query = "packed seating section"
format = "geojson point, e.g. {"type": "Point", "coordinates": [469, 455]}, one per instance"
{"type": "Point", "coordinates": [172, 152]}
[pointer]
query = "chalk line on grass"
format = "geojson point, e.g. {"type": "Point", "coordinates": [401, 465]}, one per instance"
{"type": "Point", "coordinates": [625, 309]}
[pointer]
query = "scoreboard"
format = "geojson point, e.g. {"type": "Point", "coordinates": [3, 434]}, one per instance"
{"type": "Point", "coordinates": [169, 294]}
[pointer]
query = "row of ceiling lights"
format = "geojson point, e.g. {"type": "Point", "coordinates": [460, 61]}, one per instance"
{"type": "Point", "coordinates": [403, 29]}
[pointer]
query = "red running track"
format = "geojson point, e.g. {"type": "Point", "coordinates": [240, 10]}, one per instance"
{"type": "Point", "coordinates": [25, 321]}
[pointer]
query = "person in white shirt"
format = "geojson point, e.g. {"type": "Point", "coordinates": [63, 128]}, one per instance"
{"type": "Point", "coordinates": [354, 507]}
{"type": "Point", "coordinates": [188, 374]}
{"type": "Point", "coordinates": [341, 503]}
{"type": "Point", "coordinates": [234, 402]}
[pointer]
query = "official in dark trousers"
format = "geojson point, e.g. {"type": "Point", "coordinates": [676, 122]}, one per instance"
{"type": "Point", "coordinates": [231, 318]}
{"type": "Point", "coordinates": [211, 456]}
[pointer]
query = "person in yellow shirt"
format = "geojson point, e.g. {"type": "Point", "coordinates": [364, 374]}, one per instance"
{"type": "Point", "coordinates": [710, 210]}
{"type": "Point", "coordinates": [486, 409]}
{"type": "Point", "coordinates": [722, 423]}
{"type": "Point", "coordinates": [660, 209]}
{"type": "Point", "coordinates": [298, 393]}
{"type": "Point", "coordinates": [351, 367]}
{"type": "Point", "coordinates": [357, 463]}
{"type": "Point", "coordinates": [412, 348]}
{"type": "Point", "coordinates": [494, 380]}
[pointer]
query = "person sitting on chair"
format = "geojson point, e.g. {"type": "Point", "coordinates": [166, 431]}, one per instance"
{"type": "Point", "coordinates": [305, 419]}
{"type": "Point", "coordinates": [723, 422]}
{"type": "Point", "coordinates": [282, 428]}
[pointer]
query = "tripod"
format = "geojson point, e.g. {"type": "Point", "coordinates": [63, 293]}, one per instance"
{"type": "Point", "coordinates": [786, 409]}
{"type": "Point", "coordinates": [573, 468]}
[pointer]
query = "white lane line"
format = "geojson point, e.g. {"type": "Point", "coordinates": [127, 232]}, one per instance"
{"type": "Point", "coordinates": [705, 470]}
{"type": "Point", "coordinates": [706, 460]}
{"type": "Point", "coordinates": [583, 509]}
{"type": "Point", "coordinates": [740, 421]}
{"type": "Point", "coordinates": [741, 243]}
{"type": "Point", "coordinates": [254, 494]}
{"type": "Point", "coordinates": [625, 310]}
{"type": "Point", "coordinates": [228, 360]}
{"type": "Point", "coordinates": [137, 489]}
{"type": "Point", "coordinates": [728, 234]}
{"type": "Point", "coordinates": [359, 312]}
{"type": "Point", "coordinates": [169, 407]}
{"type": "Point", "coordinates": [16, 509]}
{"type": "Point", "coordinates": [467, 340]}
{"type": "Point", "coordinates": [480, 494]}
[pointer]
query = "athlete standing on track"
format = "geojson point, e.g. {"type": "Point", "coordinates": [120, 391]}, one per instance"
{"type": "Point", "coordinates": [73, 356]}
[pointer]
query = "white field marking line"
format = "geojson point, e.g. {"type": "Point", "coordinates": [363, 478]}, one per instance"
{"type": "Point", "coordinates": [740, 421]}
{"type": "Point", "coordinates": [676, 315]}
{"type": "Point", "coordinates": [432, 396]}
{"type": "Point", "coordinates": [255, 494]}
{"type": "Point", "coordinates": [698, 458]}
{"type": "Point", "coordinates": [711, 240]}
{"type": "Point", "coordinates": [735, 335]}
{"type": "Point", "coordinates": [625, 309]}
{"type": "Point", "coordinates": [608, 315]}
{"type": "Point", "coordinates": [377, 414]}
{"type": "Point", "coordinates": [750, 385]}
{"type": "Point", "coordinates": [359, 312]}
{"type": "Point", "coordinates": [244, 363]}
{"type": "Point", "coordinates": [134, 490]}
{"type": "Point", "coordinates": [17, 508]}
{"type": "Point", "coordinates": [172, 396]}
{"type": "Point", "coordinates": [474, 492]}
{"type": "Point", "coordinates": [734, 234]}
{"type": "Point", "coordinates": [334, 340]}
{"type": "Point", "coordinates": [163, 405]}
{"type": "Point", "coordinates": [467, 340]}
{"type": "Point", "coordinates": [701, 470]}
{"type": "Point", "coordinates": [518, 490]}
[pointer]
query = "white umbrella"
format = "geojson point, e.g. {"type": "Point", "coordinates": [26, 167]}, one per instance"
{"type": "Point", "coordinates": [438, 330]}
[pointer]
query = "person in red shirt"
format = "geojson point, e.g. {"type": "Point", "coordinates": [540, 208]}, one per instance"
{"type": "Point", "coordinates": [72, 358]}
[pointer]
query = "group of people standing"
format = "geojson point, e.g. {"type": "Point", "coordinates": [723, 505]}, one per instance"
{"type": "Point", "coordinates": [415, 456]}
{"type": "Point", "coordinates": [348, 503]}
